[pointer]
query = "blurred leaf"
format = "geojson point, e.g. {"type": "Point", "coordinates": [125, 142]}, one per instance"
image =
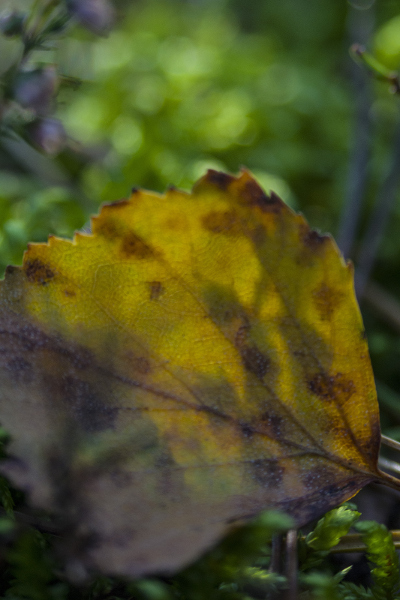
{"type": "Point", "coordinates": [187, 349]}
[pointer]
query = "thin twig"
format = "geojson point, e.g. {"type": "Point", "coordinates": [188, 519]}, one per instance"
{"type": "Point", "coordinates": [384, 303]}
{"type": "Point", "coordinates": [276, 553]}
{"type": "Point", "coordinates": [291, 564]}
{"type": "Point", "coordinates": [360, 27]}
{"type": "Point", "coordinates": [379, 218]}
{"type": "Point", "coordinates": [352, 542]}
{"type": "Point", "coordinates": [391, 465]}
{"type": "Point", "coordinates": [387, 441]}
{"type": "Point", "coordinates": [275, 565]}
{"type": "Point", "coordinates": [358, 170]}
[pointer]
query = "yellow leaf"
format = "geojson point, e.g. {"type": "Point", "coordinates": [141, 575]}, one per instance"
{"type": "Point", "coordinates": [196, 359]}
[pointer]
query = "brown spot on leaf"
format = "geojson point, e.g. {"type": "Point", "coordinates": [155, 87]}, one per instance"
{"type": "Point", "coordinates": [335, 425]}
{"type": "Point", "coordinates": [246, 429]}
{"type": "Point", "coordinates": [337, 388]}
{"type": "Point", "coordinates": [132, 245]}
{"type": "Point", "coordinates": [156, 289]}
{"type": "Point", "coordinates": [258, 235]}
{"type": "Point", "coordinates": [220, 180]}
{"type": "Point", "coordinates": [254, 195]}
{"type": "Point", "coordinates": [11, 270]}
{"type": "Point", "coordinates": [226, 222]}
{"type": "Point", "coordinates": [267, 472]}
{"type": "Point", "coordinates": [242, 334]}
{"type": "Point", "coordinates": [254, 360]}
{"type": "Point", "coordinates": [222, 304]}
{"type": "Point", "coordinates": [87, 408]}
{"type": "Point", "coordinates": [20, 369]}
{"type": "Point", "coordinates": [69, 293]}
{"type": "Point", "coordinates": [370, 445]}
{"type": "Point", "coordinates": [140, 365]}
{"type": "Point", "coordinates": [38, 272]}
{"type": "Point", "coordinates": [326, 300]}
{"type": "Point", "coordinates": [312, 239]}
{"type": "Point", "coordinates": [272, 423]}
{"type": "Point", "coordinates": [106, 227]}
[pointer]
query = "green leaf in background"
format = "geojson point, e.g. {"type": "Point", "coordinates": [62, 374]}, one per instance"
{"type": "Point", "coordinates": [315, 547]}
{"type": "Point", "coordinates": [332, 527]}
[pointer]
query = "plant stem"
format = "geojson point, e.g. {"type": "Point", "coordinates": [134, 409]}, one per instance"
{"type": "Point", "coordinates": [352, 542]}
{"type": "Point", "coordinates": [379, 218]}
{"type": "Point", "coordinates": [387, 441]}
{"type": "Point", "coordinates": [291, 564]}
{"type": "Point", "coordinates": [361, 25]}
{"type": "Point", "coordinates": [385, 478]}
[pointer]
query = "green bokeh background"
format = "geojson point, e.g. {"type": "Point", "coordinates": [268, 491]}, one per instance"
{"type": "Point", "coordinates": [180, 86]}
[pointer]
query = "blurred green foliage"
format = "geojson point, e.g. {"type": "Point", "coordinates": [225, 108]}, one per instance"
{"type": "Point", "coordinates": [177, 87]}
{"type": "Point", "coordinates": [237, 569]}
{"type": "Point", "coordinates": [181, 87]}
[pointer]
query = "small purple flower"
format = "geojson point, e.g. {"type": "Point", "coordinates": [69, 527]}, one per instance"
{"type": "Point", "coordinates": [95, 15]}
{"type": "Point", "coordinates": [48, 134]}
{"type": "Point", "coordinates": [35, 89]}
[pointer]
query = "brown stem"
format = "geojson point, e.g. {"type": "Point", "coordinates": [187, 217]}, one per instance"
{"type": "Point", "coordinates": [291, 564]}
{"type": "Point", "coordinates": [352, 542]}
{"type": "Point", "coordinates": [387, 441]}
{"type": "Point", "coordinates": [389, 480]}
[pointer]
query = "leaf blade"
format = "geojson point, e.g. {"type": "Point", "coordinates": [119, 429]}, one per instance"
{"type": "Point", "coordinates": [201, 350]}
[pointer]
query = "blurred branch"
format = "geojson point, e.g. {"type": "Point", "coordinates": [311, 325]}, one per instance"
{"type": "Point", "coordinates": [385, 304]}
{"type": "Point", "coordinates": [357, 179]}
{"type": "Point", "coordinates": [291, 564]}
{"type": "Point", "coordinates": [361, 25]}
{"type": "Point", "coordinates": [389, 465]}
{"type": "Point", "coordinates": [387, 441]}
{"type": "Point", "coordinates": [44, 168]}
{"type": "Point", "coordinates": [358, 171]}
{"type": "Point", "coordinates": [352, 542]}
{"type": "Point", "coordinates": [388, 399]}
{"type": "Point", "coordinates": [38, 164]}
{"type": "Point", "coordinates": [378, 221]}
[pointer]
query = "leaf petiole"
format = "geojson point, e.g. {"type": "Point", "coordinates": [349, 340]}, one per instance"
{"type": "Point", "coordinates": [352, 542]}
{"type": "Point", "coordinates": [387, 441]}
